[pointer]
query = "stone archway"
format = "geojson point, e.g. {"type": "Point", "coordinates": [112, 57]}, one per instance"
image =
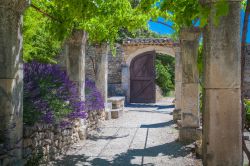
{"type": "Point", "coordinates": [135, 47]}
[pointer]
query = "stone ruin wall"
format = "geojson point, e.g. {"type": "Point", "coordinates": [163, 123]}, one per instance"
{"type": "Point", "coordinates": [51, 141]}
{"type": "Point", "coordinates": [115, 65]}
{"type": "Point", "coordinates": [247, 72]}
{"type": "Point", "coordinates": [114, 69]}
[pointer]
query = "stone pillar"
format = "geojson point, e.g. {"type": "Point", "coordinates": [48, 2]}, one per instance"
{"type": "Point", "coordinates": [222, 135]}
{"type": "Point", "coordinates": [11, 81]}
{"type": "Point", "coordinates": [101, 75]}
{"type": "Point", "coordinates": [75, 59]}
{"type": "Point", "coordinates": [125, 80]}
{"type": "Point", "coordinates": [190, 85]}
{"type": "Point", "coordinates": [178, 85]}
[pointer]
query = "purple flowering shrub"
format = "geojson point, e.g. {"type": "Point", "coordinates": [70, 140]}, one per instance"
{"type": "Point", "coordinates": [49, 95]}
{"type": "Point", "coordinates": [93, 97]}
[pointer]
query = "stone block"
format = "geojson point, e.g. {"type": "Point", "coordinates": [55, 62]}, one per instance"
{"type": "Point", "coordinates": [115, 113]}
{"type": "Point", "coordinates": [107, 115]}
{"type": "Point", "coordinates": [178, 95]}
{"type": "Point", "coordinates": [190, 105]}
{"type": "Point", "coordinates": [188, 135]}
{"type": "Point", "coordinates": [222, 126]}
{"type": "Point", "coordinates": [198, 148]}
{"type": "Point", "coordinates": [176, 115]}
{"type": "Point", "coordinates": [178, 67]}
{"type": "Point", "coordinates": [189, 34]}
{"type": "Point", "coordinates": [82, 132]}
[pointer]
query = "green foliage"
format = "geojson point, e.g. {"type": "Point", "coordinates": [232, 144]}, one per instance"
{"type": "Point", "coordinates": [243, 4]}
{"type": "Point", "coordinates": [39, 44]}
{"type": "Point", "coordinates": [101, 19]}
{"type": "Point", "coordinates": [186, 13]}
{"type": "Point", "coordinates": [165, 73]}
{"type": "Point", "coordinates": [247, 107]}
{"type": "Point", "coordinates": [222, 9]}
{"type": "Point", "coordinates": [30, 115]}
{"type": "Point", "coordinates": [200, 61]}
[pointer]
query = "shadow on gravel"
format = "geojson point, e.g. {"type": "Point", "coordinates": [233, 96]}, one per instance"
{"type": "Point", "coordinates": [156, 111]}
{"type": "Point", "coordinates": [172, 149]}
{"type": "Point", "coordinates": [158, 125]}
{"type": "Point", "coordinates": [150, 106]}
{"type": "Point", "coordinates": [96, 138]}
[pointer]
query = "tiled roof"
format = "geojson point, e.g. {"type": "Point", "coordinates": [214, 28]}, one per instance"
{"type": "Point", "coordinates": [150, 41]}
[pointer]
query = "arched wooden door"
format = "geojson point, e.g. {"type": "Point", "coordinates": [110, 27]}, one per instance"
{"type": "Point", "coordinates": [142, 78]}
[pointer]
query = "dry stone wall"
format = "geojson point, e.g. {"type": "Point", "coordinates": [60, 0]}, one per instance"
{"type": "Point", "coordinates": [46, 142]}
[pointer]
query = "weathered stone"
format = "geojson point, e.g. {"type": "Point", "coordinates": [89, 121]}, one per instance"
{"type": "Point", "coordinates": [198, 148]}
{"type": "Point", "coordinates": [188, 135]}
{"type": "Point", "coordinates": [75, 59]}
{"type": "Point", "coordinates": [117, 102]}
{"type": "Point", "coordinates": [101, 77]}
{"type": "Point", "coordinates": [27, 142]}
{"type": "Point", "coordinates": [178, 80]}
{"type": "Point", "coordinates": [222, 90]}
{"type": "Point", "coordinates": [11, 79]}
{"type": "Point", "coordinates": [178, 94]}
{"type": "Point", "coordinates": [115, 114]}
{"type": "Point", "coordinates": [47, 141]}
{"type": "Point", "coordinates": [176, 115]}
{"type": "Point", "coordinates": [82, 132]}
{"type": "Point", "coordinates": [190, 105]}
{"type": "Point", "coordinates": [222, 117]}
{"type": "Point", "coordinates": [189, 84]}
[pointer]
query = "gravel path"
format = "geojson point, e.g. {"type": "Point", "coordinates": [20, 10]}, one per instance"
{"type": "Point", "coordinates": [144, 135]}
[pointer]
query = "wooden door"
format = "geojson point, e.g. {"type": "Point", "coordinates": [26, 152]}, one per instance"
{"type": "Point", "coordinates": [142, 78]}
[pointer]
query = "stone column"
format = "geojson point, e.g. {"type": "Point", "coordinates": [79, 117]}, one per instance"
{"type": "Point", "coordinates": [101, 75]}
{"type": "Point", "coordinates": [222, 135]}
{"type": "Point", "coordinates": [75, 59]}
{"type": "Point", "coordinates": [178, 85]}
{"type": "Point", "coordinates": [125, 80]}
{"type": "Point", "coordinates": [11, 81]}
{"type": "Point", "coordinates": [190, 85]}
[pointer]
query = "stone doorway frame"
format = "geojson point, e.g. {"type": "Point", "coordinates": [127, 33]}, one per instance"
{"type": "Point", "coordinates": [134, 47]}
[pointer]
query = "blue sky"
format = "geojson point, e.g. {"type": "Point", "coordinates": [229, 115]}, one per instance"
{"type": "Point", "coordinates": [161, 29]}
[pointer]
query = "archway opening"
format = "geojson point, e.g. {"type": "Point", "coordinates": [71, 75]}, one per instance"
{"type": "Point", "coordinates": [165, 76]}
{"type": "Point", "coordinates": [152, 77]}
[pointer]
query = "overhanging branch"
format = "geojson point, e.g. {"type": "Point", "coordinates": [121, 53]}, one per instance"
{"type": "Point", "coordinates": [44, 13]}
{"type": "Point", "coordinates": [163, 23]}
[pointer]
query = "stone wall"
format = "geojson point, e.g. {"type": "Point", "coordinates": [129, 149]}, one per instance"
{"type": "Point", "coordinates": [247, 72]}
{"type": "Point", "coordinates": [51, 141]}
{"type": "Point", "coordinates": [114, 68]}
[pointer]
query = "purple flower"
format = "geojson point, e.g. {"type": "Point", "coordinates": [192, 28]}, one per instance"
{"type": "Point", "coordinates": [93, 98]}
{"type": "Point", "coordinates": [49, 90]}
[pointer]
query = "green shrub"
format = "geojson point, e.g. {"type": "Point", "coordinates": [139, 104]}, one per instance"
{"type": "Point", "coordinates": [247, 108]}
{"type": "Point", "coordinates": [165, 73]}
